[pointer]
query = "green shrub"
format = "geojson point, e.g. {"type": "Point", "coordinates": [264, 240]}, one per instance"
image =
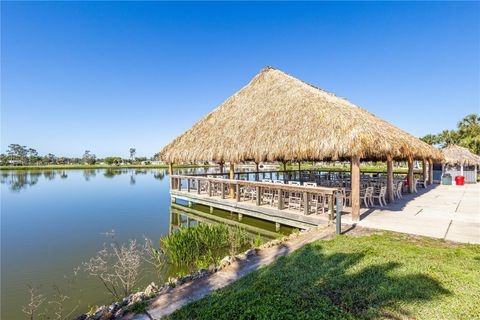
{"type": "Point", "coordinates": [137, 307]}
{"type": "Point", "coordinates": [197, 246]}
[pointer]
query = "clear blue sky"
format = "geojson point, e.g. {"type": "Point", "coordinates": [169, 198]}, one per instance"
{"type": "Point", "coordinates": [109, 76]}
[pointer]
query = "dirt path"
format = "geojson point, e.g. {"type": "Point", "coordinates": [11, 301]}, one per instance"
{"type": "Point", "coordinates": [181, 295]}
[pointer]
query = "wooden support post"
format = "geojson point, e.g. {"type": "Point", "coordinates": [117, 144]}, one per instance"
{"type": "Point", "coordinates": [237, 187]}
{"type": "Point", "coordinates": [188, 185]}
{"type": "Point", "coordinates": [198, 186]}
{"type": "Point", "coordinates": [355, 180]}
{"type": "Point", "coordinates": [258, 196]}
{"type": "Point", "coordinates": [179, 186]}
{"type": "Point", "coordinates": [330, 206]}
{"type": "Point", "coordinates": [170, 173]}
{"type": "Point", "coordinates": [211, 209]}
{"type": "Point", "coordinates": [338, 213]}
{"type": "Point", "coordinates": [305, 203]}
{"type": "Point", "coordinates": [232, 177]}
{"type": "Point", "coordinates": [389, 179]}
{"type": "Point", "coordinates": [284, 170]}
{"type": "Point", "coordinates": [221, 166]}
{"type": "Point", "coordinates": [189, 204]}
{"type": "Point", "coordinates": [424, 170]}
{"type": "Point", "coordinates": [209, 188]}
{"type": "Point", "coordinates": [280, 199]}
{"type": "Point", "coordinates": [430, 171]}
{"type": "Point", "coordinates": [257, 169]}
{"type": "Point", "coordinates": [277, 226]}
{"type": "Point", "coordinates": [240, 216]}
{"type": "Point", "coordinates": [223, 190]}
{"type": "Point", "coordinates": [299, 173]}
{"type": "Point", "coordinates": [410, 175]}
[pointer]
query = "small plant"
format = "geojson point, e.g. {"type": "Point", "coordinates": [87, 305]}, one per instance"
{"type": "Point", "coordinates": [35, 301]}
{"type": "Point", "coordinates": [137, 307]}
{"type": "Point", "coordinates": [117, 267]}
{"type": "Point", "coordinates": [239, 240]}
{"type": "Point", "coordinates": [258, 241]}
{"type": "Point", "coordinates": [197, 246]}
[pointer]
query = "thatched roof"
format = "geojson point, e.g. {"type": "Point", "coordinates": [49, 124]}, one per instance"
{"type": "Point", "coordinates": [279, 117]}
{"type": "Point", "coordinates": [454, 155]}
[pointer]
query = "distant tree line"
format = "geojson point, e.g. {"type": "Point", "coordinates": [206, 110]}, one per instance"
{"type": "Point", "coordinates": [467, 135]}
{"type": "Point", "coordinates": [17, 155]}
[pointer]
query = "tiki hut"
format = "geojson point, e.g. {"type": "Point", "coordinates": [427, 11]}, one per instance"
{"type": "Point", "coordinates": [459, 161]}
{"type": "Point", "coordinates": [277, 117]}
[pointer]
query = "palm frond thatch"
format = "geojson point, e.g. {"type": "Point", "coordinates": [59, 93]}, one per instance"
{"type": "Point", "coordinates": [456, 155]}
{"type": "Point", "coordinates": [279, 117]}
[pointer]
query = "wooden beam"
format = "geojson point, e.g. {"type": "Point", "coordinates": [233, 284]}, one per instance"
{"type": "Point", "coordinates": [256, 171]}
{"type": "Point", "coordinates": [305, 203]}
{"type": "Point", "coordinates": [424, 170]}
{"type": "Point", "coordinates": [258, 199]}
{"type": "Point", "coordinates": [238, 192]}
{"type": "Point", "coordinates": [355, 179]}
{"type": "Point", "coordinates": [430, 171]}
{"type": "Point", "coordinates": [389, 178]}
{"type": "Point", "coordinates": [221, 166]}
{"type": "Point", "coordinates": [410, 175]}
{"type": "Point", "coordinates": [280, 200]}
{"type": "Point", "coordinates": [170, 173]}
{"type": "Point", "coordinates": [232, 177]}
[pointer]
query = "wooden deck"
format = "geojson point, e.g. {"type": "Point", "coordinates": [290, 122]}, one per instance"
{"type": "Point", "coordinates": [228, 195]}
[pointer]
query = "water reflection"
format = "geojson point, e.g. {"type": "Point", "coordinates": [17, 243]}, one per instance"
{"type": "Point", "coordinates": [89, 173]}
{"type": "Point", "coordinates": [81, 205]}
{"type": "Point", "coordinates": [184, 216]}
{"type": "Point", "coordinates": [18, 180]}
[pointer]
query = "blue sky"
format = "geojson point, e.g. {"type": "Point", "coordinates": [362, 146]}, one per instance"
{"type": "Point", "coordinates": [108, 76]}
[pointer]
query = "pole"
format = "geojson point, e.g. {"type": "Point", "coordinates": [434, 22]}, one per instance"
{"type": "Point", "coordinates": [389, 178]}
{"type": "Point", "coordinates": [355, 180]}
{"type": "Point", "coordinates": [410, 175]}
{"type": "Point", "coordinates": [232, 177]}
{"type": "Point", "coordinates": [338, 213]}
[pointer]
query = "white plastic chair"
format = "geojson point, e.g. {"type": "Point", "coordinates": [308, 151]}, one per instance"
{"type": "Point", "coordinates": [380, 196]}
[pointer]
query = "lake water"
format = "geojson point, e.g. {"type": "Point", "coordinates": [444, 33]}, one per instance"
{"type": "Point", "coordinates": [52, 221]}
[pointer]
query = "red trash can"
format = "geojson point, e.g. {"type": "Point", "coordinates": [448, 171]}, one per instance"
{"type": "Point", "coordinates": [459, 180]}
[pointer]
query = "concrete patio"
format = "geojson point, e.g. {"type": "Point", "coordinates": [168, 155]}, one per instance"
{"type": "Point", "coordinates": [446, 212]}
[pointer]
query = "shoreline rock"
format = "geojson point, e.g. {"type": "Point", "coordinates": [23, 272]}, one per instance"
{"type": "Point", "coordinates": [118, 310]}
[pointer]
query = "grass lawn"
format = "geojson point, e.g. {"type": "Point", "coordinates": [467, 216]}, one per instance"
{"type": "Point", "coordinates": [389, 276]}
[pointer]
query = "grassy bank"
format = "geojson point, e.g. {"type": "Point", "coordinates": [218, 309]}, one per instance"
{"type": "Point", "coordinates": [390, 276]}
{"type": "Point", "coordinates": [99, 166]}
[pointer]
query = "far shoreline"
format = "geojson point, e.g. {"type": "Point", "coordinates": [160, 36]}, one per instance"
{"type": "Point", "coordinates": [364, 169]}
{"type": "Point", "coordinates": [101, 166]}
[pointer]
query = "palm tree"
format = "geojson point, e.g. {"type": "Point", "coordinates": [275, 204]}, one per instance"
{"type": "Point", "coordinates": [447, 137]}
{"type": "Point", "coordinates": [132, 153]}
{"type": "Point", "coordinates": [468, 121]}
{"type": "Point", "coordinates": [469, 132]}
{"type": "Point", "coordinates": [431, 139]}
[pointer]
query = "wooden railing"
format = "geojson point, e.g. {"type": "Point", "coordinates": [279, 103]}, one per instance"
{"type": "Point", "coordinates": [278, 195]}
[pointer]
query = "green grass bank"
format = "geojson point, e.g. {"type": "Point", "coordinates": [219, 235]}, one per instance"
{"type": "Point", "coordinates": [386, 276]}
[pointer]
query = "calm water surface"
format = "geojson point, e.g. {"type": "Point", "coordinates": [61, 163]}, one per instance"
{"type": "Point", "coordinates": [52, 221]}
